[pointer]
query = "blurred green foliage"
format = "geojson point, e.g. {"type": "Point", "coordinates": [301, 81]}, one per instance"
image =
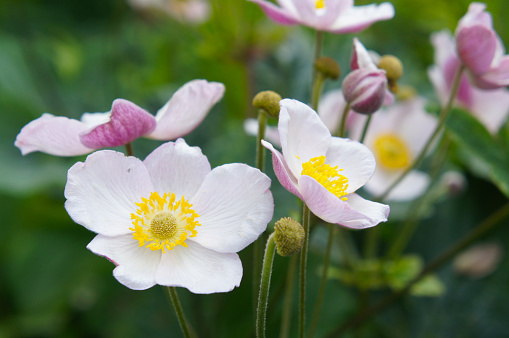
{"type": "Point", "coordinates": [70, 57]}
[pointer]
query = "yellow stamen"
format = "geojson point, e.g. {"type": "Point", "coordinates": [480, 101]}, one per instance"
{"type": "Point", "coordinates": [320, 4]}
{"type": "Point", "coordinates": [162, 223]}
{"type": "Point", "coordinates": [327, 176]}
{"type": "Point", "coordinates": [392, 152]}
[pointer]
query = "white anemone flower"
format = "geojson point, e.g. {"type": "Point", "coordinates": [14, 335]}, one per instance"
{"type": "Point", "coordinates": [170, 219]}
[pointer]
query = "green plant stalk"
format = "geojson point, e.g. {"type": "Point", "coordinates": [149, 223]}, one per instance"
{"type": "Point", "coordinates": [287, 305]}
{"type": "Point", "coordinates": [365, 130]}
{"type": "Point", "coordinates": [483, 228]}
{"type": "Point", "coordinates": [129, 149]}
{"type": "Point", "coordinates": [344, 117]}
{"type": "Point", "coordinates": [172, 293]}
{"type": "Point", "coordinates": [323, 282]}
{"type": "Point", "coordinates": [306, 216]}
{"type": "Point", "coordinates": [441, 124]}
{"type": "Point", "coordinates": [316, 91]}
{"type": "Point", "coordinates": [263, 296]}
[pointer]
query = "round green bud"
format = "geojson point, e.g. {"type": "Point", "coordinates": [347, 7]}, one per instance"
{"type": "Point", "coordinates": [392, 66]}
{"type": "Point", "coordinates": [405, 92]}
{"type": "Point", "coordinates": [268, 101]}
{"type": "Point", "coordinates": [289, 236]}
{"type": "Point", "coordinates": [328, 67]}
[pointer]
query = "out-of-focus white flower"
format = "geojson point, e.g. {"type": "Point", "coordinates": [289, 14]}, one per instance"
{"type": "Point", "coordinates": [478, 261]}
{"type": "Point", "coordinates": [191, 11]}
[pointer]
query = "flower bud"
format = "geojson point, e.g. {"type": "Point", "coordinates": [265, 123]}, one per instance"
{"type": "Point", "coordinates": [268, 101]}
{"type": "Point", "coordinates": [479, 260]}
{"type": "Point", "coordinates": [406, 92]}
{"type": "Point", "coordinates": [364, 90]}
{"type": "Point", "coordinates": [392, 66]}
{"type": "Point", "coordinates": [328, 67]}
{"type": "Point", "coordinates": [289, 236]}
{"type": "Point", "coordinates": [454, 182]}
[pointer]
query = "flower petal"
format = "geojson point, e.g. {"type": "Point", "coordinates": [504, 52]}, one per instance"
{"type": "Point", "coordinates": [476, 47]}
{"type": "Point", "coordinates": [358, 18]}
{"type": "Point", "coordinates": [361, 58]}
{"type": "Point", "coordinates": [177, 167]}
{"type": "Point", "coordinates": [199, 269]}
{"type": "Point", "coordinates": [280, 15]}
{"type": "Point", "coordinates": [491, 107]}
{"type": "Point", "coordinates": [235, 204]}
{"type": "Point", "coordinates": [271, 133]}
{"type": "Point", "coordinates": [136, 266]}
{"type": "Point", "coordinates": [303, 135]}
{"type": "Point", "coordinates": [127, 123]}
{"type": "Point", "coordinates": [186, 109]}
{"type": "Point", "coordinates": [356, 160]}
{"type": "Point", "coordinates": [355, 213]}
{"type": "Point", "coordinates": [101, 193]}
{"type": "Point", "coordinates": [330, 108]}
{"type": "Point", "coordinates": [412, 186]}
{"type": "Point", "coordinates": [283, 173]}
{"type": "Point", "coordinates": [52, 135]}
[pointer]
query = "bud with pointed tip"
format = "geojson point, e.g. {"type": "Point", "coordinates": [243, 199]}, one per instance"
{"type": "Point", "coordinates": [289, 236]}
{"type": "Point", "coordinates": [268, 101]}
{"type": "Point", "coordinates": [364, 90]}
{"type": "Point", "coordinates": [328, 67]}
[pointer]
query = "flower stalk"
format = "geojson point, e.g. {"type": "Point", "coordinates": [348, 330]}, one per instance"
{"type": "Point", "coordinates": [184, 325]}
{"type": "Point", "coordinates": [306, 216]}
{"type": "Point", "coordinates": [261, 313]}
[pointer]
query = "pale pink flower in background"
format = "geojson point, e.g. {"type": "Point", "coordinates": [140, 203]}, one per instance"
{"type": "Point", "coordinates": [61, 136]}
{"type": "Point", "coordinates": [481, 50]}
{"type": "Point", "coordinates": [170, 219]}
{"type": "Point", "coordinates": [335, 16]}
{"type": "Point", "coordinates": [491, 107]}
{"type": "Point", "coordinates": [190, 11]}
{"type": "Point", "coordinates": [396, 136]}
{"type": "Point", "coordinates": [324, 171]}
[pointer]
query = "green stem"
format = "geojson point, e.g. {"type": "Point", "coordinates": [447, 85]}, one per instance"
{"type": "Point", "coordinates": [287, 306]}
{"type": "Point", "coordinates": [323, 282]}
{"type": "Point", "coordinates": [365, 130]}
{"type": "Point", "coordinates": [441, 123]}
{"type": "Point", "coordinates": [371, 245]}
{"type": "Point", "coordinates": [342, 125]}
{"type": "Point", "coordinates": [317, 90]}
{"type": "Point", "coordinates": [318, 44]}
{"type": "Point", "coordinates": [129, 149]}
{"type": "Point", "coordinates": [483, 228]}
{"type": "Point", "coordinates": [172, 293]}
{"type": "Point", "coordinates": [306, 215]}
{"type": "Point", "coordinates": [263, 296]}
{"type": "Point", "coordinates": [260, 150]}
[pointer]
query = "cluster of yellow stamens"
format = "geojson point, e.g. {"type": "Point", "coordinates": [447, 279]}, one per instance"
{"type": "Point", "coordinates": [391, 151]}
{"type": "Point", "coordinates": [162, 223]}
{"type": "Point", "coordinates": [326, 175]}
{"type": "Point", "coordinates": [320, 4]}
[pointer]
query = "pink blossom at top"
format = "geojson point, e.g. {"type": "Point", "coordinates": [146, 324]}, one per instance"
{"type": "Point", "coordinates": [491, 107]}
{"type": "Point", "coordinates": [324, 171]}
{"type": "Point", "coordinates": [61, 136]}
{"type": "Point", "coordinates": [188, 11]}
{"type": "Point", "coordinates": [335, 16]}
{"type": "Point", "coordinates": [481, 50]}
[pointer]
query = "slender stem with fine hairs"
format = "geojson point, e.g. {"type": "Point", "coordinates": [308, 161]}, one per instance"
{"type": "Point", "coordinates": [129, 149]}
{"type": "Point", "coordinates": [172, 293]}
{"type": "Point", "coordinates": [342, 125]}
{"type": "Point", "coordinates": [365, 130]}
{"type": "Point", "coordinates": [263, 296]}
{"type": "Point", "coordinates": [287, 305]}
{"type": "Point", "coordinates": [306, 215]}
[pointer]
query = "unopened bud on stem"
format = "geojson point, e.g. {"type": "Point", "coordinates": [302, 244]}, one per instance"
{"type": "Point", "coordinates": [328, 67]}
{"type": "Point", "coordinates": [364, 90]}
{"type": "Point", "coordinates": [289, 236]}
{"type": "Point", "coordinates": [268, 101]}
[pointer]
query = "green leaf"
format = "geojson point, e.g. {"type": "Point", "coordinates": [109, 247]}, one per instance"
{"type": "Point", "coordinates": [429, 286]}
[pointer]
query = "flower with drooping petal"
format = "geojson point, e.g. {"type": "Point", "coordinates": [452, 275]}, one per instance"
{"type": "Point", "coordinates": [481, 50]}
{"type": "Point", "coordinates": [491, 107]}
{"type": "Point", "coordinates": [190, 11]}
{"type": "Point", "coordinates": [324, 171]}
{"type": "Point", "coordinates": [170, 219]}
{"type": "Point", "coordinates": [61, 136]}
{"type": "Point", "coordinates": [397, 135]}
{"type": "Point", "coordinates": [335, 16]}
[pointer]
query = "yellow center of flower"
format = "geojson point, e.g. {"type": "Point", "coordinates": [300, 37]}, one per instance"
{"type": "Point", "coordinates": [320, 4]}
{"type": "Point", "coordinates": [326, 175]}
{"type": "Point", "coordinates": [162, 223]}
{"type": "Point", "coordinates": [392, 152]}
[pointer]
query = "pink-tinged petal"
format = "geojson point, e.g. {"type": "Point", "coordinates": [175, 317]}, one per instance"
{"type": "Point", "coordinates": [361, 57]}
{"type": "Point", "coordinates": [358, 18]}
{"type": "Point", "coordinates": [271, 133]}
{"type": "Point", "coordinates": [199, 269]}
{"type": "Point", "coordinates": [356, 160]}
{"type": "Point", "coordinates": [279, 15]}
{"type": "Point", "coordinates": [177, 167]}
{"type": "Point", "coordinates": [476, 16]}
{"type": "Point", "coordinates": [476, 47]}
{"type": "Point", "coordinates": [101, 193]}
{"type": "Point", "coordinates": [445, 47]}
{"type": "Point", "coordinates": [235, 205]}
{"type": "Point", "coordinates": [283, 173]}
{"type": "Point", "coordinates": [436, 77]}
{"type": "Point", "coordinates": [496, 77]}
{"type": "Point", "coordinates": [413, 185]}
{"type": "Point", "coordinates": [333, 9]}
{"type": "Point", "coordinates": [52, 135]}
{"type": "Point", "coordinates": [450, 69]}
{"type": "Point", "coordinates": [355, 213]}
{"type": "Point", "coordinates": [95, 119]}
{"type": "Point", "coordinates": [331, 108]}
{"type": "Point", "coordinates": [491, 107]}
{"type": "Point", "coordinates": [127, 123]}
{"type": "Point", "coordinates": [365, 90]}
{"type": "Point", "coordinates": [303, 135]}
{"type": "Point", "coordinates": [186, 109]}
{"type": "Point", "coordinates": [136, 266]}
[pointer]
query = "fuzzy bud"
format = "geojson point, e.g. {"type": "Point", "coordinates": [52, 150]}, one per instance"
{"type": "Point", "coordinates": [364, 90]}
{"type": "Point", "coordinates": [268, 101]}
{"type": "Point", "coordinates": [392, 66]}
{"type": "Point", "coordinates": [328, 67]}
{"type": "Point", "coordinates": [289, 236]}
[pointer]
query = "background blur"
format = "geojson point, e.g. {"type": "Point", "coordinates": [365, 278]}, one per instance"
{"type": "Point", "coordinates": [70, 57]}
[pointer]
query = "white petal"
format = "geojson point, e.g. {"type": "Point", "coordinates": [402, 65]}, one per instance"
{"type": "Point", "coordinates": [186, 109]}
{"type": "Point", "coordinates": [235, 205]}
{"type": "Point", "coordinates": [199, 269]}
{"type": "Point", "coordinates": [356, 160]}
{"type": "Point", "coordinates": [177, 167]}
{"type": "Point", "coordinates": [95, 119]}
{"type": "Point", "coordinates": [136, 266]}
{"type": "Point", "coordinates": [331, 108]}
{"type": "Point", "coordinates": [412, 186]}
{"type": "Point", "coordinates": [101, 193]}
{"type": "Point", "coordinates": [271, 133]}
{"type": "Point", "coordinates": [303, 135]}
{"type": "Point", "coordinates": [491, 107]}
